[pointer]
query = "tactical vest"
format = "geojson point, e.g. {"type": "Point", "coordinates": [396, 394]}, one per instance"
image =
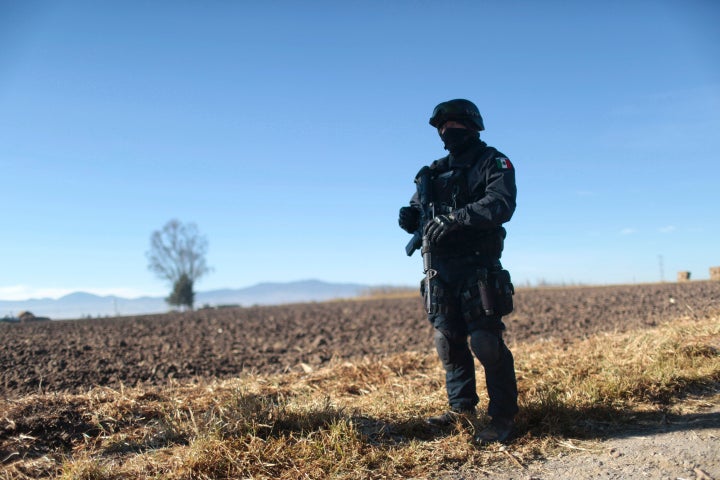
{"type": "Point", "coordinates": [451, 191]}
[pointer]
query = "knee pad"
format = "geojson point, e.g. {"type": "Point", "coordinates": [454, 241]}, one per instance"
{"type": "Point", "coordinates": [486, 347]}
{"type": "Point", "coordinates": [442, 344]}
{"type": "Point", "coordinates": [450, 346]}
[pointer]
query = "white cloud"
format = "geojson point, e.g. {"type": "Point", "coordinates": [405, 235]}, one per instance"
{"type": "Point", "coordinates": [667, 229]}
{"type": "Point", "coordinates": [628, 231]}
{"type": "Point", "coordinates": [585, 193]}
{"type": "Point", "coordinates": [25, 292]}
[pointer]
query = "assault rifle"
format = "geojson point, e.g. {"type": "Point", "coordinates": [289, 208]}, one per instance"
{"type": "Point", "coordinates": [423, 182]}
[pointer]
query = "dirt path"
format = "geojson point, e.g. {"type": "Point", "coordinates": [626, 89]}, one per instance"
{"type": "Point", "coordinates": [687, 448]}
{"type": "Point", "coordinates": [682, 447]}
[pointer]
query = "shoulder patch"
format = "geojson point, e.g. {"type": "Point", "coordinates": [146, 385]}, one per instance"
{"type": "Point", "coordinates": [503, 163]}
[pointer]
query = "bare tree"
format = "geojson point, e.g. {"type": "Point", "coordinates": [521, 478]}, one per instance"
{"type": "Point", "coordinates": [177, 254]}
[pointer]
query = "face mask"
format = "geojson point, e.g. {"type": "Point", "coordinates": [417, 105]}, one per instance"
{"type": "Point", "coordinates": [455, 138]}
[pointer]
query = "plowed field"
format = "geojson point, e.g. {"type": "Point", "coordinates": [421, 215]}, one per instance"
{"type": "Point", "coordinates": [75, 355]}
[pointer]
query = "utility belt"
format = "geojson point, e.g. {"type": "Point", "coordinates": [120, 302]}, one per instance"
{"type": "Point", "coordinates": [487, 292]}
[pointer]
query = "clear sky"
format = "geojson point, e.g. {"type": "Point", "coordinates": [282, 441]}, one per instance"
{"type": "Point", "coordinates": [290, 133]}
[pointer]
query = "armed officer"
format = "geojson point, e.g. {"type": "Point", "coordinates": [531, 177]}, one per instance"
{"type": "Point", "coordinates": [472, 194]}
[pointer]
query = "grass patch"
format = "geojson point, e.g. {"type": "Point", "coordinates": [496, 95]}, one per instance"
{"type": "Point", "coordinates": [361, 419]}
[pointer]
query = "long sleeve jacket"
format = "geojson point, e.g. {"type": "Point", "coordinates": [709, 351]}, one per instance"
{"type": "Point", "coordinates": [484, 181]}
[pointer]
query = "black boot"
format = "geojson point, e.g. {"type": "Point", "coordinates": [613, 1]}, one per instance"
{"type": "Point", "coordinates": [451, 417]}
{"type": "Point", "coordinates": [499, 430]}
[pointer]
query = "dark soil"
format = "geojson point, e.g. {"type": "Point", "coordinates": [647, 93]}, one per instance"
{"type": "Point", "coordinates": [74, 355]}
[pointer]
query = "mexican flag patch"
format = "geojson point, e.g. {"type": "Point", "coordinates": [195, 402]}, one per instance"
{"type": "Point", "coordinates": [503, 163]}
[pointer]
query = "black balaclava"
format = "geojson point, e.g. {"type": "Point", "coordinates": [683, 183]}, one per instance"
{"type": "Point", "coordinates": [457, 140]}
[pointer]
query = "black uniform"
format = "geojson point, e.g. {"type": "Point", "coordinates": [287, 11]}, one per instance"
{"type": "Point", "coordinates": [476, 184]}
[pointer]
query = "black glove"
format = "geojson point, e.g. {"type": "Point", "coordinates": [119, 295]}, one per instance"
{"type": "Point", "coordinates": [409, 219]}
{"type": "Point", "coordinates": [441, 226]}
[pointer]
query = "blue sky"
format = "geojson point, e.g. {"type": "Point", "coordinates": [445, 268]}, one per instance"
{"type": "Point", "coordinates": [290, 133]}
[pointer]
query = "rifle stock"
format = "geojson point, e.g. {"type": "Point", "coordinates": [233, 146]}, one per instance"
{"type": "Point", "coordinates": [414, 243]}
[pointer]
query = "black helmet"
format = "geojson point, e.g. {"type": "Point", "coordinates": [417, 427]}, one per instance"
{"type": "Point", "coordinates": [460, 110]}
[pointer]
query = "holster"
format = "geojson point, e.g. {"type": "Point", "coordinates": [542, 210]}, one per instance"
{"type": "Point", "coordinates": [434, 296]}
{"type": "Point", "coordinates": [487, 293]}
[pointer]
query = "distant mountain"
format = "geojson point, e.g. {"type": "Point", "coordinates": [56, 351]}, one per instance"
{"type": "Point", "coordinates": [81, 304]}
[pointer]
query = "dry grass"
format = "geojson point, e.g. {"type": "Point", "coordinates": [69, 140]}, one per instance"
{"type": "Point", "coordinates": [360, 419]}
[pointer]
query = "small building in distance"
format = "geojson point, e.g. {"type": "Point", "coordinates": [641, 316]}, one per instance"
{"type": "Point", "coordinates": [683, 276]}
{"type": "Point", "coordinates": [715, 273]}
